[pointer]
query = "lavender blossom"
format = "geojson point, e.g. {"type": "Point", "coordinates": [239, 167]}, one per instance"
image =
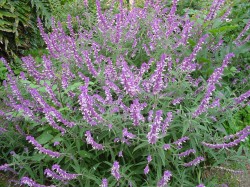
{"type": "Point", "coordinates": [242, 97]}
{"type": "Point", "coordinates": [63, 174]}
{"type": "Point", "coordinates": [42, 149]}
{"type": "Point", "coordinates": [166, 147]}
{"type": "Point", "coordinates": [120, 154]}
{"type": "Point", "coordinates": [92, 142]}
{"type": "Point", "coordinates": [194, 162]}
{"type": "Point", "coordinates": [240, 137]}
{"type": "Point", "coordinates": [212, 81]}
{"type": "Point", "coordinates": [216, 5]}
{"type": "Point", "coordinates": [246, 28]}
{"type": "Point", "coordinates": [104, 183]}
{"type": "Point", "coordinates": [201, 185]}
{"type": "Point", "coordinates": [2, 130]}
{"type": "Point", "coordinates": [115, 170]}
{"type": "Point", "coordinates": [7, 65]}
{"type": "Point", "coordinates": [187, 64]}
{"type": "Point", "coordinates": [31, 183]}
{"type": "Point", "coordinates": [128, 79]}
{"type": "Point", "coordinates": [127, 135]}
{"type": "Point", "coordinates": [5, 167]}
{"type": "Point", "coordinates": [135, 112]}
{"type": "Point", "coordinates": [146, 169]}
{"type": "Point", "coordinates": [180, 141]}
{"type": "Point", "coordinates": [53, 175]}
{"type": "Point", "coordinates": [52, 95]}
{"type": "Point", "coordinates": [155, 128]}
{"type": "Point", "coordinates": [186, 153]}
{"type": "Point", "coordinates": [166, 122]}
{"type": "Point", "coordinates": [165, 179]}
{"type": "Point", "coordinates": [87, 108]}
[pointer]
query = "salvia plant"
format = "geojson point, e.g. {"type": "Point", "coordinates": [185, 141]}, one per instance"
{"type": "Point", "coordinates": [123, 103]}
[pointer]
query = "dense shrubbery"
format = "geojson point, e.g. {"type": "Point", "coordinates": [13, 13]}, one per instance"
{"type": "Point", "coordinates": [136, 100]}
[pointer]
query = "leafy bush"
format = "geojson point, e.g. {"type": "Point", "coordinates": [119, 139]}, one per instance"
{"type": "Point", "coordinates": [18, 26]}
{"type": "Point", "coordinates": [124, 103]}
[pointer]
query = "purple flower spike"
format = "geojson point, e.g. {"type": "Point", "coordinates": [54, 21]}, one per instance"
{"type": "Point", "coordinates": [31, 183]}
{"type": "Point", "coordinates": [149, 158]}
{"type": "Point", "coordinates": [115, 170]}
{"type": "Point", "coordinates": [146, 170]}
{"type": "Point", "coordinates": [186, 153]}
{"type": "Point", "coordinates": [4, 167]}
{"type": "Point", "coordinates": [92, 142]}
{"type": "Point", "coordinates": [164, 180]}
{"type": "Point", "coordinates": [63, 174]}
{"type": "Point", "coordinates": [155, 128]}
{"type": "Point", "coordinates": [42, 149]}
{"type": "Point", "coordinates": [166, 147]}
{"type": "Point", "coordinates": [181, 140]}
{"type": "Point", "coordinates": [194, 162]}
{"type": "Point", "coordinates": [104, 183]}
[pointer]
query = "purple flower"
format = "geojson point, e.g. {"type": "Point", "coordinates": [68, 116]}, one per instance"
{"type": "Point", "coordinates": [115, 170]}
{"type": "Point", "coordinates": [149, 158]}
{"type": "Point", "coordinates": [187, 64]}
{"type": "Point", "coordinates": [164, 180]}
{"type": "Point", "coordinates": [62, 173]}
{"type": "Point", "coordinates": [242, 97]}
{"type": "Point", "coordinates": [243, 32]}
{"type": "Point", "coordinates": [56, 143]}
{"type": "Point", "coordinates": [120, 154]}
{"type": "Point", "coordinates": [135, 112]}
{"type": "Point", "coordinates": [216, 5]}
{"type": "Point", "coordinates": [31, 183]}
{"type": "Point", "coordinates": [240, 137]}
{"type": "Point", "coordinates": [166, 147]}
{"type": "Point", "coordinates": [146, 170]}
{"type": "Point", "coordinates": [53, 175]}
{"type": "Point", "coordinates": [201, 185]}
{"type": "Point", "coordinates": [180, 141]}
{"type": "Point", "coordinates": [155, 128]}
{"type": "Point", "coordinates": [165, 124]}
{"type": "Point", "coordinates": [212, 81]}
{"type": "Point", "coordinates": [194, 162]}
{"type": "Point", "coordinates": [7, 65]}
{"type": "Point", "coordinates": [127, 135]}
{"type": "Point", "coordinates": [128, 79]}
{"type": "Point", "coordinates": [186, 153]}
{"type": "Point", "coordinates": [104, 183]}
{"type": "Point", "coordinates": [87, 107]}
{"type": "Point", "coordinates": [4, 167]}
{"type": "Point", "coordinates": [42, 149]}
{"type": "Point", "coordinates": [92, 142]}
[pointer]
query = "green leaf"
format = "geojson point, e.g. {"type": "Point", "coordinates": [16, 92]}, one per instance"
{"type": "Point", "coordinates": [85, 154]}
{"type": "Point", "coordinates": [44, 138]}
{"type": "Point", "coordinates": [73, 86]}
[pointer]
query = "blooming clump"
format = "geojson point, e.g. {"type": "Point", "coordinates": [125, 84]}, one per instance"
{"type": "Point", "coordinates": [141, 88]}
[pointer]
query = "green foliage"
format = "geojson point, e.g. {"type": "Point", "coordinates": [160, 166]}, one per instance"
{"type": "Point", "coordinates": [18, 24]}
